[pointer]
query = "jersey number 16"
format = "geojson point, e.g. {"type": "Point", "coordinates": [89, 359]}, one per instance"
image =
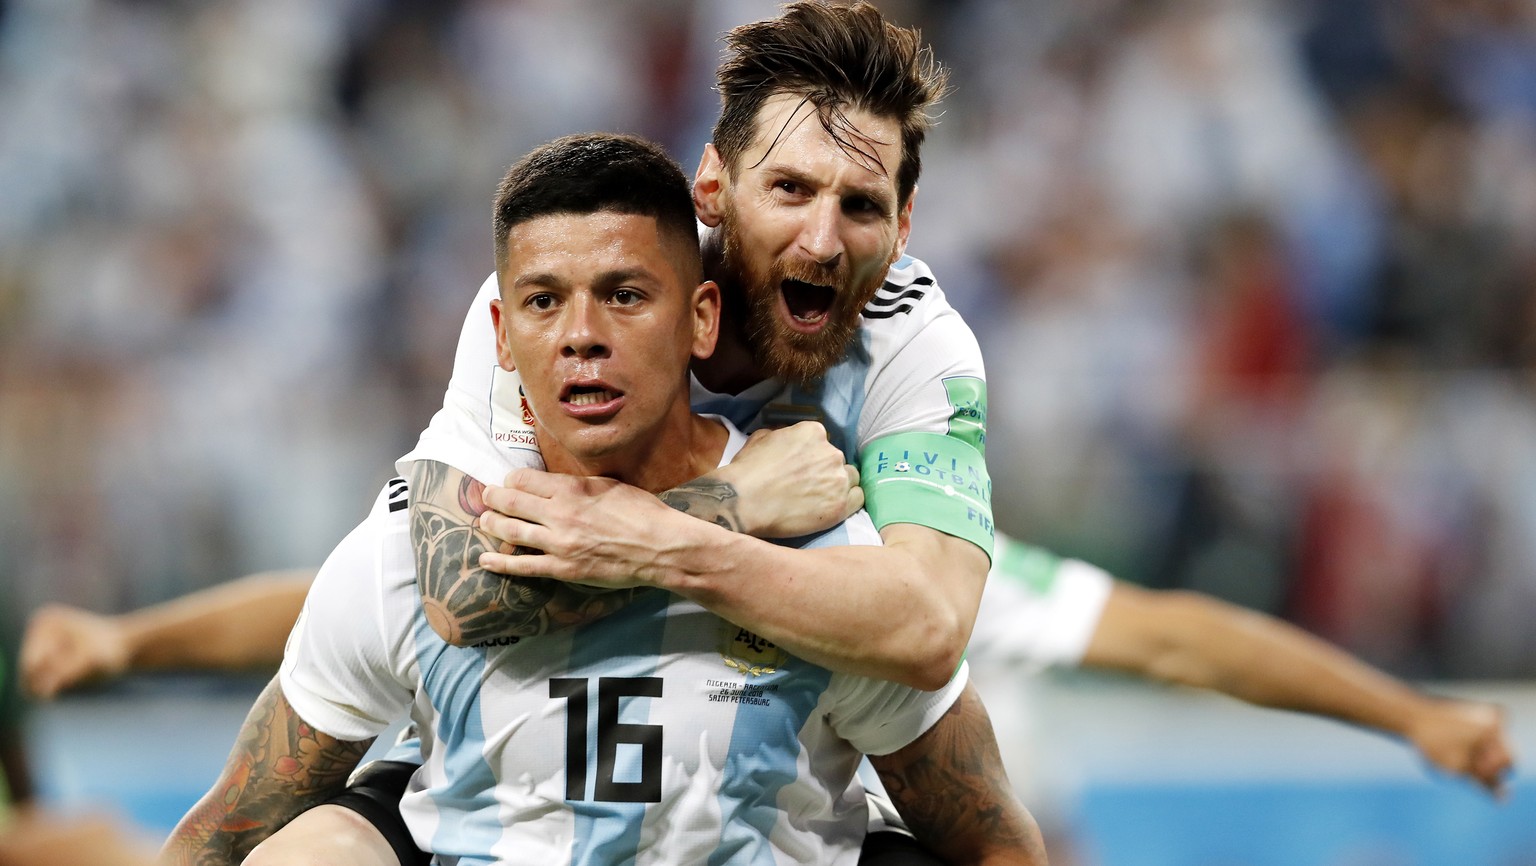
{"type": "Point", "coordinates": [610, 735]}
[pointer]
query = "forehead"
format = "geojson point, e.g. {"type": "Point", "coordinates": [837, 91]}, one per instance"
{"type": "Point", "coordinates": [579, 248]}
{"type": "Point", "coordinates": [789, 133]}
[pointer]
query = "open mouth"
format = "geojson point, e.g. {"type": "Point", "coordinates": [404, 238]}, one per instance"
{"type": "Point", "coordinates": [588, 395]}
{"type": "Point", "coordinates": [808, 303]}
{"type": "Point", "coordinates": [590, 399]}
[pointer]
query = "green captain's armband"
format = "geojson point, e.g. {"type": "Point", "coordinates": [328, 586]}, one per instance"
{"type": "Point", "coordinates": [932, 480]}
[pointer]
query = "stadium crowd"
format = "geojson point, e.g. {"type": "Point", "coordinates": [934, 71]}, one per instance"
{"type": "Point", "coordinates": [1256, 282]}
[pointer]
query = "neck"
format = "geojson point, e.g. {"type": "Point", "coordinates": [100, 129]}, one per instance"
{"type": "Point", "coordinates": [732, 368]}
{"type": "Point", "coordinates": [684, 447]}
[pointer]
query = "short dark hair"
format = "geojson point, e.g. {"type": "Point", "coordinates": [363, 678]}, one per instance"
{"type": "Point", "coordinates": [834, 56]}
{"type": "Point", "coordinates": [593, 173]}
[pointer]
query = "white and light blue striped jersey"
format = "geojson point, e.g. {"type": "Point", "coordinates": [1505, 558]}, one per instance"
{"type": "Point", "coordinates": [914, 366]}
{"type": "Point", "coordinates": [659, 734]}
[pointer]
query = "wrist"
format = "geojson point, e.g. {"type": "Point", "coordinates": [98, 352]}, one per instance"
{"type": "Point", "coordinates": [713, 499]}
{"type": "Point", "coordinates": [701, 553]}
{"type": "Point", "coordinates": [122, 641]}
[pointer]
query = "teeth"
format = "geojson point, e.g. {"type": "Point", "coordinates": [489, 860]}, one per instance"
{"type": "Point", "coordinates": [589, 398]}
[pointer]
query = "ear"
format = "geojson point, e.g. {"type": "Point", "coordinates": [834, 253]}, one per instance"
{"type": "Point", "coordinates": [503, 342]}
{"type": "Point", "coordinates": [706, 319]}
{"type": "Point", "coordinates": [903, 227]}
{"type": "Point", "coordinates": [709, 187]}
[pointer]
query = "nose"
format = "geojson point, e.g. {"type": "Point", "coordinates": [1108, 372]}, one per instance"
{"type": "Point", "coordinates": [584, 332]}
{"type": "Point", "coordinates": [819, 236]}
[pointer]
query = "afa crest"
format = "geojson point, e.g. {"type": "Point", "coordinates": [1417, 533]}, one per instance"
{"type": "Point", "coordinates": [746, 653]}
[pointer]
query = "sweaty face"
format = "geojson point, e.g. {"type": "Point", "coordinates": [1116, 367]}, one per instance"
{"type": "Point", "coordinates": [809, 228]}
{"type": "Point", "coordinates": [600, 322]}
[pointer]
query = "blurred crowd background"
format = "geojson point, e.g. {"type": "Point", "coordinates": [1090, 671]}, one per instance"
{"type": "Point", "coordinates": [1256, 281]}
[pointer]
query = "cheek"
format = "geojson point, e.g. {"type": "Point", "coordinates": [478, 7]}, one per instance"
{"type": "Point", "coordinates": [875, 251]}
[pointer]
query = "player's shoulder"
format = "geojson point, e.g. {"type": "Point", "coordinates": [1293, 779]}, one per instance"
{"type": "Point", "coordinates": [910, 308]}
{"type": "Point", "coordinates": [392, 503]}
{"type": "Point", "coordinates": [490, 288]}
{"type": "Point", "coordinates": [910, 317]}
{"type": "Point", "coordinates": [909, 296]}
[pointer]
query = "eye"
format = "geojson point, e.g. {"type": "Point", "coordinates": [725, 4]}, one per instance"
{"type": "Point", "coordinates": [862, 207]}
{"type": "Point", "coordinates": [626, 297]}
{"type": "Point", "coordinates": [789, 187]}
{"type": "Point", "coordinates": [540, 301]}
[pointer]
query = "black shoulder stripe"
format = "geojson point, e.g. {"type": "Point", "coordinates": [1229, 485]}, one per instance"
{"type": "Point", "coordinates": [886, 314]}
{"type": "Point", "coordinates": [889, 287]}
{"type": "Point", "coordinates": [399, 494]}
{"type": "Point", "coordinates": [883, 301]}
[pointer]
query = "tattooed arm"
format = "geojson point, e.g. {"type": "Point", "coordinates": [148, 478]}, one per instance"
{"type": "Point", "coordinates": [279, 767]}
{"type": "Point", "coordinates": [467, 604]}
{"type": "Point", "coordinates": [950, 788]}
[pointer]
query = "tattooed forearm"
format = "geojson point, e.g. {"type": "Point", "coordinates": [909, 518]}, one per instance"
{"type": "Point", "coordinates": [707, 499]}
{"type": "Point", "coordinates": [950, 787]}
{"type": "Point", "coordinates": [463, 602]}
{"type": "Point", "coordinates": [279, 767]}
{"type": "Point", "coordinates": [467, 604]}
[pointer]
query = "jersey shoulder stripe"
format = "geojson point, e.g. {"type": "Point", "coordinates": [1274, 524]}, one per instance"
{"type": "Point", "coordinates": [397, 494]}
{"type": "Point", "coordinates": [905, 284]}
{"type": "Point", "coordinates": [882, 299]}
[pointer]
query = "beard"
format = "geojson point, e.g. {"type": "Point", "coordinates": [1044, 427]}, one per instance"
{"type": "Point", "coordinates": [778, 350]}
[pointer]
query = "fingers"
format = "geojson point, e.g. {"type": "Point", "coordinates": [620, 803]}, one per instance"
{"type": "Point", "coordinates": [813, 429]}
{"type": "Point", "coordinates": [524, 565]}
{"type": "Point", "coordinates": [854, 503]}
{"type": "Point", "coordinates": [514, 502]}
{"type": "Point", "coordinates": [1492, 763]}
{"type": "Point", "coordinates": [51, 657]}
{"type": "Point", "coordinates": [513, 531]}
{"type": "Point", "coordinates": [535, 482]}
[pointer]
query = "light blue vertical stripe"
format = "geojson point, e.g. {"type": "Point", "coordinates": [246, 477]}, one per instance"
{"type": "Point", "coordinates": [840, 394]}
{"type": "Point", "coordinates": [623, 644]}
{"type": "Point", "coordinates": [468, 820]}
{"type": "Point", "coordinates": [764, 749]}
{"type": "Point", "coordinates": [738, 410]}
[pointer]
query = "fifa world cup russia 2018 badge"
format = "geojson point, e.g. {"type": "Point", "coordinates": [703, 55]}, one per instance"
{"type": "Point", "coordinates": [527, 412]}
{"type": "Point", "coordinates": [512, 420]}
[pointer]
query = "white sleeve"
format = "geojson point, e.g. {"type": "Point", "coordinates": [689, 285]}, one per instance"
{"type": "Point", "coordinates": [348, 668]}
{"type": "Point", "coordinates": [878, 717]}
{"type": "Point", "coordinates": [1039, 610]}
{"type": "Point", "coordinates": [926, 370]}
{"type": "Point", "coordinates": [481, 430]}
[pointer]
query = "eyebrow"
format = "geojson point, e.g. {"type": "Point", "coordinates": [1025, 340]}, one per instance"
{"type": "Point", "coordinates": [875, 192]}
{"type": "Point", "coordinates": [612, 277]}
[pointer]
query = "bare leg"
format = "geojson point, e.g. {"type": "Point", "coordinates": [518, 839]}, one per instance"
{"type": "Point", "coordinates": [325, 836]}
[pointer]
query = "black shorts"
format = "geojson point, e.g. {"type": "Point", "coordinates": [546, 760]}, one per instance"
{"type": "Point", "coordinates": [376, 791]}
{"type": "Point", "coordinates": [375, 794]}
{"type": "Point", "coordinates": [890, 848]}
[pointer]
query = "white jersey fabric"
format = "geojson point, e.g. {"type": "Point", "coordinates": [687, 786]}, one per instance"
{"type": "Point", "coordinates": [1038, 609]}
{"type": "Point", "coordinates": [660, 734]}
{"type": "Point", "coordinates": [911, 349]}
